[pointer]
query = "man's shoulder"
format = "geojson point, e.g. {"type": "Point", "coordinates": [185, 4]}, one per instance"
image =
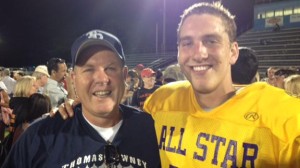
{"type": "Point", "coordinates": [51, 82]}
{"type": "Point", "coordinates": [134, 117]}
{"type": "Point", "coordinates": [49, 124]}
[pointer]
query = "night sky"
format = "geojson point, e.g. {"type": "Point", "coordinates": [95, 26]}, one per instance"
{"type": "Point", "coordinates": [33, 31]}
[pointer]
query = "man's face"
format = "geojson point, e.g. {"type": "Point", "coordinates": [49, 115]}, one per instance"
{"type": "Point", "coordinates": [16, 76]}
{"type": "Point", "coordinates": [61, 73]}
{"type": "Point", "coordinates": [44, 80]}
{"type": "Point", "coordinates": [205, 53]}
{"type": "Point", "coordinates": [99, 82]}
{"type": "Point", "coordinates": [279, 81]}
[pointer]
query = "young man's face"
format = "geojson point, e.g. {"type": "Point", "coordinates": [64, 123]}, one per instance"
{"type": "Point", "coordinates": [99, 82]}
{"type": "Point", "coordinates": [205, 53]}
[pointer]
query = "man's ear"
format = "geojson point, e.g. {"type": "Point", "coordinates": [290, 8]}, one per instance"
{"type": "Point", "coordinates": [52, 72]}
{"type": "Point", "coordinates": [234, 52]}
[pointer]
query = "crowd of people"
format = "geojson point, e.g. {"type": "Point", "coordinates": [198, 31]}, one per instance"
{"type": "Point", "coordinates": [209, 110]}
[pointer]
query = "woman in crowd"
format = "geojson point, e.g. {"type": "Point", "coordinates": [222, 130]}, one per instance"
{"type": "Point", "coordinates": [25, 87]}
{"type": "Point", "coordinates": [38, 106]}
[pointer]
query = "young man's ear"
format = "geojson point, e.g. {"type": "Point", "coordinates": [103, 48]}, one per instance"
{"type": "Point", "coordinates": [234, 52]}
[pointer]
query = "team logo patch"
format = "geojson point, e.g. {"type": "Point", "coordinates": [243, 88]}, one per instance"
{"type": "Point", "coordinates": [251, 116]}
{"type": "Point", "coordinates": [95, 35]}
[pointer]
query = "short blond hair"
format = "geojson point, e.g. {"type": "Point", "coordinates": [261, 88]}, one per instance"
{"type": "Point", "coordinates": [23, 86]}
{"type": "Point", "coordinates": [292, 85]}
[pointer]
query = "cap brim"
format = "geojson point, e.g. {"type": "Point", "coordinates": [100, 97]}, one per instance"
{"type": "Point", "coordinates": [95, 42]}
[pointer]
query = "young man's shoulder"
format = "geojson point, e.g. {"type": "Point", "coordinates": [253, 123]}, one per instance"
{"type": "Point", "coordinates": [270, 97]}
{"type": "Point", "coordinates": [174, 87]}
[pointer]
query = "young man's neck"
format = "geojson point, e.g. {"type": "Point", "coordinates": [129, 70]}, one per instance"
{"type": "Point", "coordinates": [213, 100]}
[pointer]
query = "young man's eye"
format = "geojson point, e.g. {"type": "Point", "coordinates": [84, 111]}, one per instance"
{"type": "Point", "coordinates": [186, 43]}
{"type": "Point", "coordinates": [210, 41]}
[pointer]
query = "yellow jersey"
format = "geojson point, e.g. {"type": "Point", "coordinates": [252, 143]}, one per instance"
{"type": "Point", "coordinates": [258, 127]}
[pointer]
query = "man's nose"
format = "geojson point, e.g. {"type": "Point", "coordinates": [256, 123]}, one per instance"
{"type": "Point", "coordinates": [200, 50]}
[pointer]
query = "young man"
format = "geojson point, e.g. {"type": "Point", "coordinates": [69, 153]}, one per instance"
{"type": "Point", "coordinates": [102, 133]}
{"type": "Point", "coordinates": [205, 122]}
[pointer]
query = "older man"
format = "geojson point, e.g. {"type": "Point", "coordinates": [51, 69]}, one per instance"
{"type": "Point", "coordinates": [41, 74]}
{"type": "Point", "coordinates": [103, 133]}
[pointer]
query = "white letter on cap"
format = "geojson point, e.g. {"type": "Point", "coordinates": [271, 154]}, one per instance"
{"type": "Point", "coordinates": [95, 35]}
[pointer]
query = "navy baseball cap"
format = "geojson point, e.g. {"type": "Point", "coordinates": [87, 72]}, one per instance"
{"type": "Point", "coordinates": [97, 37]}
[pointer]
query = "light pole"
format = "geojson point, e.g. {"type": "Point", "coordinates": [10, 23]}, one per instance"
{"type": "Point", "coordinates": [164, 28]}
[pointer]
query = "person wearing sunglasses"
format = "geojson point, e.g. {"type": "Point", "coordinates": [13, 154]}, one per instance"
{"type": "Point", "coordinates": [103, 132]}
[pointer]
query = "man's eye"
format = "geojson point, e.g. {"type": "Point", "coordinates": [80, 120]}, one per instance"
{"type": "Point", "coordinates": [88, 70]}
{"type": "Point", "coordinates": [111, 69]}
{"type": "Point", "coordinates": [186, 43]}
{"type": "Point", "coordinates": [210, 41]}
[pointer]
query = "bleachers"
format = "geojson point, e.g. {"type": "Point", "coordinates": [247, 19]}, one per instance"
{"type": "Point", "coordinates": [274, 48]}
{"type": "Point", "coordinates": [153, 60]}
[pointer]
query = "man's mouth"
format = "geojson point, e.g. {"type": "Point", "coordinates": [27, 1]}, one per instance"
{"type": "Point", "coordinates": [102, 93]}
{"type": "Point", "coordinates": [201, 68]}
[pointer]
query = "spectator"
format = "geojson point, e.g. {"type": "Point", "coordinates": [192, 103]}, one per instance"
{"type": "Point", "coordinates": [18, 74]}
{"type": "Point", "coordinates": [41, 74]}
{"type": "Point", "coordinates": [270, 75]}
{"type": "Point", "coordinates": [159, 77]}
{"type": "Point", "coordinates": [103, 132]}
{"type": "Point", "coordinates": [280, 75]}
{"type": "Point", "coordinates": [276, 27]}
{"type": "Point", "coordinates": [173, 73]}
{"type": "Point", "coordinates": [54, 88]}
{"type": "Point", "coordinates": [4, 102]}
{"type": "Point", "coordinates": [138, 68]}
{"type": "Point", "coordinates": [292, 85]}
{"type": "Point", "coordinates": [245, 68]}
{"type": "Point", "coordinates": [140, 95]}
{"type": "Point", "coordinates": [25, 87]}
{"type": "Point", "coordinates": [9, 82]}
{"type": "Point", "coordinates": [132, 84]}
{"type": "Point", "coordinates": [38, 105]}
